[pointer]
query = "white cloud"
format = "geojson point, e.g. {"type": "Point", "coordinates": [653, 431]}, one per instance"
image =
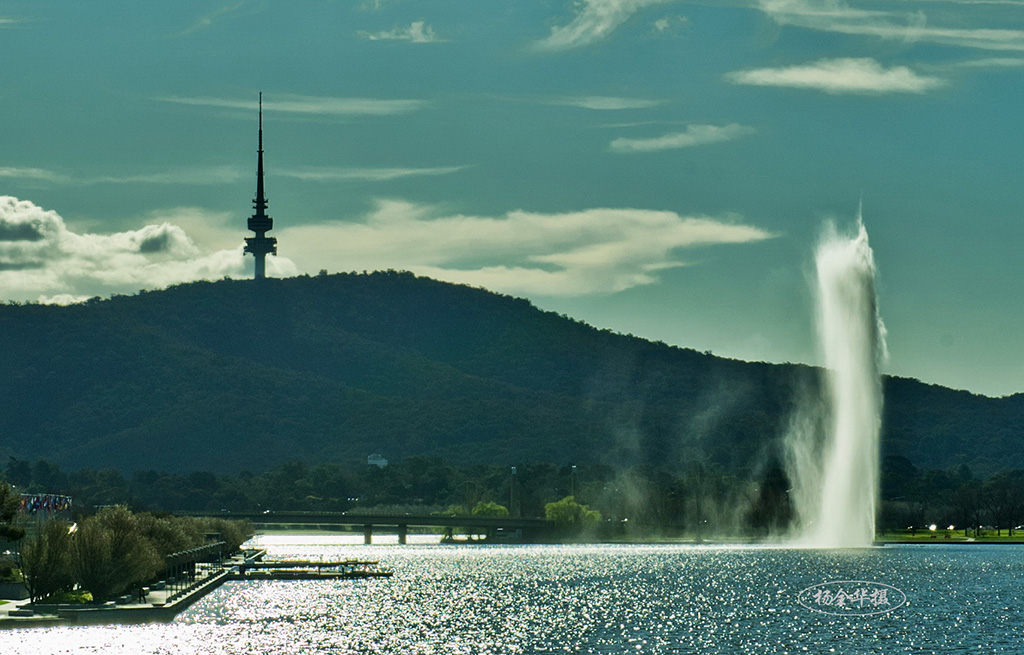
{"type": "Point", "coordinates": [594, 20]}
{"type": "Point", "coordinates": [605, 103]}
{"type": "Point", "coordinates": [300, 104]}
{"type": "Point", "coordinates": [417, 32]}
{"type": "Point", "coordinates": [209, 230]}
{"type": "Point", "coordinates": [840, 76]}
{"type": "Point", "coordinates": [592, 251]}
{"type": "Point", "coordinates": [695, 135]}
{"type": "Point", "coordinates": [366, 174]}
{"type": "Point", "coordinates": [40, 258]}
{"type": "Point", "coordinates": [837, 16]}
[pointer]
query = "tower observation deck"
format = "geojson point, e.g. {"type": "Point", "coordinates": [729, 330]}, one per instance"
{"type": "Point", "coordinates": [259, 222]}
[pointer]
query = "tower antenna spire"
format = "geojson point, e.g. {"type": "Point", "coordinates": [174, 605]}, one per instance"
{"type": "Point", "coordinates": [260, 244]}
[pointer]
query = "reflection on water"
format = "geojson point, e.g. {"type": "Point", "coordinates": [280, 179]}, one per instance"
{"type": "Point", "coordinates": [585, 599]}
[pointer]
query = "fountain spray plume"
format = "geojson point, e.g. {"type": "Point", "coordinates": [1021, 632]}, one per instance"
{"type": "Point", "coordinates": [836, 474]}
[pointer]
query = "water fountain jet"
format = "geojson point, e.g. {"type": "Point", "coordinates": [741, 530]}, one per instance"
{"type": "Point", "coordinates": [835, 476]}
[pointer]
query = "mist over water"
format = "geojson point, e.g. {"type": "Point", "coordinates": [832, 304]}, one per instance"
{"type": "Point", "coordinates": [833, 443]}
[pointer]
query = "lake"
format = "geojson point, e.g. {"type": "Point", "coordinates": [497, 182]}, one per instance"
{"type": "Point", "coordinates": [594, 599]}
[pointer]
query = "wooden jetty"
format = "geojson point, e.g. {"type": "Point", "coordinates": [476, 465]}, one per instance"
{"type": "Point", "coordinates": [348, 569]}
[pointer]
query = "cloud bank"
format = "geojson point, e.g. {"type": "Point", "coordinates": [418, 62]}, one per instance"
{"type": "Point", "coordinates": [594, 20]}
{"type": "Point", "coordinates": [594, 251]}
{"type": "Point", "coordinates": [695, 135]}
{"type": "Point", "coordinates": [41, 259]}
{"type": "Point", "coordinates": [840, 76]}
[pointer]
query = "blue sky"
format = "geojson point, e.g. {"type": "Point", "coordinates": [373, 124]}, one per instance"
{"type": "Point", "coordinates": [662, 168]}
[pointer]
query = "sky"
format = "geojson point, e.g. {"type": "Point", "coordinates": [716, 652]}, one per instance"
{"type": "Point", "coordinates": [663, 168]}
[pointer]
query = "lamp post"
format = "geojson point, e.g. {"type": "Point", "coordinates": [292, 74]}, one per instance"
{"type": "Point", "coordinates": [512, 493]}
{"type": "Point", "coordinates": [572, 482]}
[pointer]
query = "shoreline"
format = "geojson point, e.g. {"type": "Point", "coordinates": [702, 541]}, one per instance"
{"type": "Point", "coordinates": [162, 606]}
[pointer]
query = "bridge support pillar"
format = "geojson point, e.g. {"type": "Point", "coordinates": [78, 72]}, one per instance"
{"type": "Point", "coordinates": [403, 534]}
{"type": "Point", "coordinates": [367, 534]}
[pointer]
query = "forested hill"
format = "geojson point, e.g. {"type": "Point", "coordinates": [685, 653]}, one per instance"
{"type": "Point", "coordinates": [233, 375]}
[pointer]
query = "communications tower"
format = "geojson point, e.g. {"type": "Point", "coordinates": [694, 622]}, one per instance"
{"type": "Point", "coordinates": [259, 222]}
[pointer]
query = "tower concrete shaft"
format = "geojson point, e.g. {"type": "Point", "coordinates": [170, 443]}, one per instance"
{"type": "Point", "coordinates": [260, 223]}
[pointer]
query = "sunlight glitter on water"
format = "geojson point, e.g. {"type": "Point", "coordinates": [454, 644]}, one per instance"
{"type": "Point", "coordinates": [584, 599]}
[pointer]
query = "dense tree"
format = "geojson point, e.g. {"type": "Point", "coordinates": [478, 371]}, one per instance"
{"type": "Point", "coordinates": [771, 512]}
{"type": "Point", "coordinates": [1002, 497]}
{"type": "Point", "coordinates": [46, 560]}
{"type": "Point", "coordinates": [567, 513]}
{"type": "Point", "coordinates": [111, 553]}
{"type": "Point", "coordinates": [490, 509]}
{"type": "Point", "coordinates": [10, 502]}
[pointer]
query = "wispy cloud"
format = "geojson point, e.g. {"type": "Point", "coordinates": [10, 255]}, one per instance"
{"type": "Point", "coordinates": [1005, 3]}
{"type": "Point", "coordinates": [695, 135]}
{"type": "Point", "coordinates": [417, 32]}
{"type": "Point", "coordinates": [594, 20]}
{"type": "Point", "coordinates": [670, 24]}
{"type": "Point", "coordinates": [192, 176]}
{"type": "Point", "coordinates": [837, 16]}
{"type": "Point", "coordinates": [41, 258]}
{"type": "Point", "coordinates": [37, 174]}
{"type": "Point", "coordinates": [203, 22]}
{"type": "Point", "coordinates": [225, 175]}
{"type": "Point", "coordinates": [366, 174]}
{"type": "Point", "coordinates": [300, 104]}
{"type": "Point", "coordinates": [593, 251]}
{"type": "Point", "coordinates": [204, 175]}
{"type": "Point", "coordinates": [991, 62]}
{"type": "Point", "coordinates": [604, 103]}
{"type": "Point", "coordinates": [837, 76]}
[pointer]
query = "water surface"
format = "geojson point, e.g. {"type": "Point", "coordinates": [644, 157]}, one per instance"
{"type": "Point", "coordinates": [586, 599]}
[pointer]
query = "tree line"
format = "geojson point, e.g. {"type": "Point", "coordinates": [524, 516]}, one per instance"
{"type": "Point", "coordinates": [700, 498]}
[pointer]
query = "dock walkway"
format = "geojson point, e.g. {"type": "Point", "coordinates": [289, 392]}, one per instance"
{"type": "Point", "coordinates": [156, 605]}
{"type": "Point", "coordinates": [165, 603]}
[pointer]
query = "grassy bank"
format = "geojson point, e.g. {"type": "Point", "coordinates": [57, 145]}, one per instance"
{"type": "Point", "coordinates": [947, 536]}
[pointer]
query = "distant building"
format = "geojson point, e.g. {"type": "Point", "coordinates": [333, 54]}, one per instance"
{"type": "Point", "coordinates": [376, 460]}
{"type": "Point", "coordinates": [259, 222]}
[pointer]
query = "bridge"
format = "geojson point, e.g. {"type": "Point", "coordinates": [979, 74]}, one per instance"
{"type": "Point", "coordinates": [524, 529]}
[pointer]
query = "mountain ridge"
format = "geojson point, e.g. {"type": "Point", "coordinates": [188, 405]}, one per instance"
{"type": "Point", "coordinates": [234, 375]}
